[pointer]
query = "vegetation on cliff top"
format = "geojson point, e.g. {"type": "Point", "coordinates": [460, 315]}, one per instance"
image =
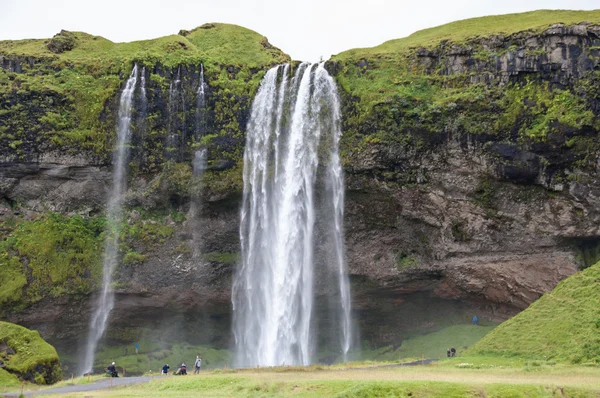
{"type": "Point", "coordinates": [26, 355]}
{"type": "Point", "coordinates": [562, 326]}
{"type": "Point", "coordinates": [72, 83]}
{"type": "Point", "coordinates": [212, 43]}
{"type": "Point", "coordinates": [482, 27]}
{"type": "Point", "coordinates": [449, 80]}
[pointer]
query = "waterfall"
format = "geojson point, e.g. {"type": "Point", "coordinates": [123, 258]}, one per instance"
{"type": "Point", "coordinates": [114, 214]}
{"type": "Point", "coordinates": [142, 115]}
{"type": "Point", "coordinates": [176, 134]}
{"type": "Point", "coordinates": [198, 168]}
{"type": "Point", "coordinates": [294, 124]}
{"type": "Point", "coordinates": [201, 105]}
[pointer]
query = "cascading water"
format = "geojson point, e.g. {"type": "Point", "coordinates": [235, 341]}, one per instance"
{"type": "Point", "coordinates": [111, 248]}
{"type": "Point", "coordinates": [293, 125]}
{"type": "Point", "coordinates": [201, 105]}
{"type": "Point", "coordinates": [198, 168]}
{"type": "Point", "coordinates": [142, 115]}
{"type": "Point", "coordinates": [176, 134]}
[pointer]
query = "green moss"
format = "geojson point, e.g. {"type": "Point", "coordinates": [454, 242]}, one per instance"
{"type": "Point", "coordinates": [406, 261]}
{"type": "Point", "coordinates": [541, 110]}
{"type": "Point", "coordinates": [34, 359]}
{"type": "Point", "coordinates": [8, 379]}
{"type": "Point", "coordinates": [225, 258]}
{"type": "Point", "coordinates": [228, 182]}
{"type": "Point", "coordinates": [132, 257]}
{"type": "Point", "coordinates": [559, 326]}
{"type": "Point", "coordinates": [53, 255]}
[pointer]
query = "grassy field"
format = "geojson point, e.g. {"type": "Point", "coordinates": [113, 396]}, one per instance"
{"type": "Point", "coordinates": [457, 377]}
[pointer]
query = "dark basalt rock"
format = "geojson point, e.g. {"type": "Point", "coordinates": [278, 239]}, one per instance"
{"type": "Point", "coordinates": [61, 42]}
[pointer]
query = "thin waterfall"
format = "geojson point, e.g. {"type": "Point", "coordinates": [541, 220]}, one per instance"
{"type": "Point", "coordinates": [114, 214]}
{"type": "Point", "coordinates": [198, 168]}
{"type": "Point", "coordinates": [335, 179]}
{"type": "Point", "coordinates": [201, 105]}
{"type": "Point", "coordinates": [294, 125]}
{"type": "Point", "coordinates": [176, 132]}
{"type": "Point", "coordinates": [141, 117]}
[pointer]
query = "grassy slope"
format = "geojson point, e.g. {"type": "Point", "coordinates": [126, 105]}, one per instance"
{"type": "Point", "coordinates": [563, 325]}
{"type": "Point", "coordinates": [212, 43]}
{"type": "Point", "coordinates": [458, 31]}
{"type": "Point", "coordinates": [31, 351]}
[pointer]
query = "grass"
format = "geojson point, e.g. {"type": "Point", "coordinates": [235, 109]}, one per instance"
{"type": "Point", "coordinates": [33, 359]}
{"type": "Point", "coordinates": [446, 379]}
{"type": "Point", "coordinates": [214, 42]}
{"type": "Point", "coordinates": [562, 326]}
{"type": "Point", "coordinates": [458, 31]}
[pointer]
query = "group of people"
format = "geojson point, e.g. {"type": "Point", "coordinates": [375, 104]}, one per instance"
{"type": "Point", "coordinates": [182, 370]}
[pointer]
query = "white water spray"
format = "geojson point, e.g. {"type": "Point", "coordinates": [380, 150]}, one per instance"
{"type": "Point", "coordinates": [292, 125]}
{"type": "Point", "coordinates": [114, 214]}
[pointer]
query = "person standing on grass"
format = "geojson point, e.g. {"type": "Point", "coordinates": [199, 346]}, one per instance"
{"type": "Point", "coordinates": [197, 365]}
{"type": "Point", "coordinates": [137, 348]}
{"type": "Point", "coordinates": [165, 369]}
{"type": "Point", "coordinates": [475, 320]}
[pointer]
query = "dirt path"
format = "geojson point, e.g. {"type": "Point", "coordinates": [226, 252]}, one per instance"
{"type": "Point", "coordinates": [97, 385]}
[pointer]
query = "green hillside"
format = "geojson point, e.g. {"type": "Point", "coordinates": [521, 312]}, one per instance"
{"type": "Point", "coordinates": [214, 42]}
{"type": "Point", "coordinates": [458, 31]}
{"type": "Point", "coordinates": [562, 326]}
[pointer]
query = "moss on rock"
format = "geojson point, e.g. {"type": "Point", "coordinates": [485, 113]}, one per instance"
{"type": "Point", "coordinates": [27, 356]}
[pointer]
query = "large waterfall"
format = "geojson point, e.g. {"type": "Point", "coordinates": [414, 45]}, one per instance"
{"type": "Point", "coordinates": [292, 175]}
{"type": "Point", "coordinates": [120, 160]}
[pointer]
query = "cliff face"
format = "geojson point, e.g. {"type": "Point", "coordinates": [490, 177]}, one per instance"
{"type": "Point", "coordinates": [470, 172]}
